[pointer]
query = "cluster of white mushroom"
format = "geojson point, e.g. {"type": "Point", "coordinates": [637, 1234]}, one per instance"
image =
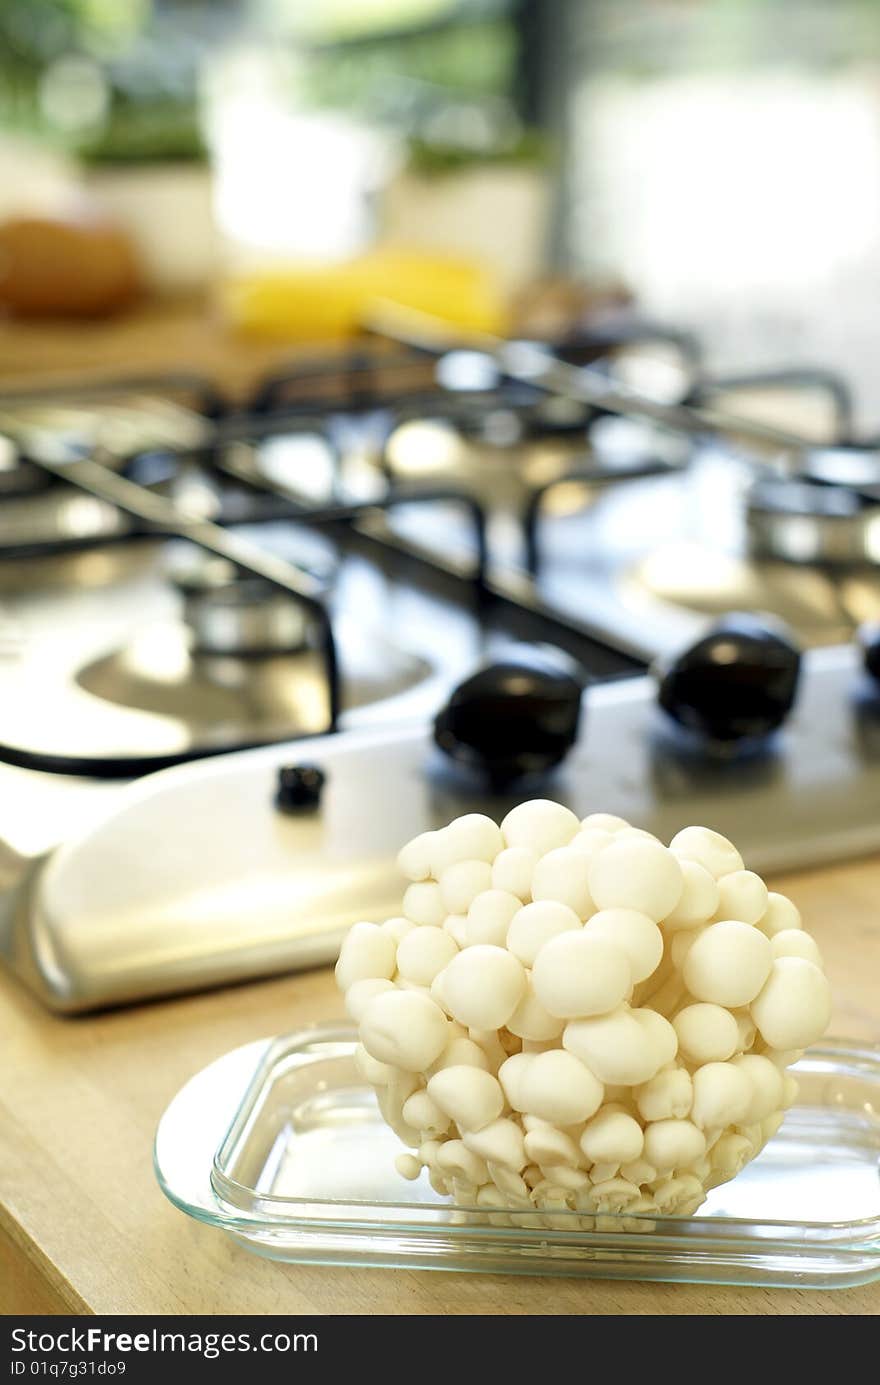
{"type": "Point", "coordinates": [570, 1016]}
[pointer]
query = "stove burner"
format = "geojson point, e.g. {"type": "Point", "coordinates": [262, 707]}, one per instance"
{"type": "Point", "coordinates": [804, 521]}
{"type": "Point", "coordinates": [349, 449]}
{"type": "Point", "coordinates": [512, 719]}
{"type": "Point", "coordinates": [246, 618]}
{"type": "Point", "coordinates": [737, 684]}
{"type": "Point", "coordinates": [853, 465]}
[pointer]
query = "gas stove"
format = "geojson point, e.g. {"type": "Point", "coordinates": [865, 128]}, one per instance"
{"type": "Point", "coordinates": [183, 579]}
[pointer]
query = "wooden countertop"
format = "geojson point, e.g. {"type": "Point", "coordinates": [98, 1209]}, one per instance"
{"type": "Point", "coordinates": [158, 335]}
{"type": "Point", "coordinates": [84, 1227]}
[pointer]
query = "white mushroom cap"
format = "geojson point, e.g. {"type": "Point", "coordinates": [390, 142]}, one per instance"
{"type": "Point", "coordinates": [742, 895]}
{"type": "Point", "coordinates": [698, 899]}
{"type": "Point", "coordinates": [530, 1020]}
{"type": "Point", "coordinates": [405, 1029]}
{"type": "Point", "coordinates": [456, 926]}
{"type": "Point", "coordinates": [371, 1070]}
{"type": "Point", "coordinates": [680, 945]}
{"type": "Point", "coordinates": [366, 953]}
{"type": "Point", "coordinates": [401, 984]}
{"type": "Point", "coordinates": [668, 1095]}
{"type": "Point", "coordinates": [661, 1035]}
{"type": "Point", "coordinates": [360, 993]}
{"type": "Point", "coordinates": [563, 875]}
{"type": "Point", "coordinates": [454, 1157]}
{"type": "Point", "coordinates": [636, 934]}
{"type": "Point", "coordinates": [460, 1052]}
{"type": "Point", "coordinates": [636, 873]}
{"type": "Point", "coordinates": [794, 1007]}
{"type": "Point", "coordinates": [511, 1075]}
{"type": "Point", "coordinates": [535, 924]}
{"type": "Point", "coordinates": [709, 849]}
{"type": "Point", "coordinates": [548, 1146]}
{"type": "Point", "coordinates": [614, 1046]}
{"type": "Point", "coordinates": [558, 1088]}
{"type": "Point", "coordinates": [730, 1153]}
{"type": "Point", "coordinates": [638, 1171]}
{"type": "Point", "coordinates": [539, 825]}
{"type": "Point", "coordinates": [783, 1057]}
{"type": "Point", "coordinates": [605, 822]}
{"type": "Point", "coordinates": [728, 964]}
{"type": "Point", "coordinates": [397, 928]}
{"type": "Point", "coordinates": [746, 1029]}
{"type": "Point", "coordinates": [765, 1080]}
{"type": "Point", "coordinates": [473, 837]}
{"type": "Point", "coordinates": [576, 974]}
{"type": "Point", "coordinates": [499, 1142]}
{"type": "Point", "coordinates": [461, 882]}
{"type": "Point", "coordinates": [590, 841]}
{"type": "Point", "coordinates": [780, 914]}
{"type": "Point", "coordinates": [423, 903]}
{"type": "Point", "coordinates": [423, 952]}
{"type": "Point", "coordinates": [415, 859]}
{"type": "Point", "coordinates": [673, 1144]}
{"type": "Point", "coordinates": [795, 942]}
{"type": "Point", "coordinates": [469, 1095]}
{"type": "Point", "coordinates": [483, 986]}
{"type": "Point", "coordinates": [408, 1166]}
{"type": "Point", "coordinates": [706, 1033]}
{"type": "Point", "coordinates": [489, 916]}
{"type": "Point", "coordinates": [612, 1137]}
{"type": "Point", "coordinates": [512, 871]}
{"type": "Point", "coordinates": [424, 1115]}
{"type": "Point", "coordinates": [722, 1096]}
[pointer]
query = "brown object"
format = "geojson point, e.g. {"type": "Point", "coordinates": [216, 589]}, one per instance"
{"type": "Point", "coordinates": [84, 1227]}
{"type": "Point", "coordinates": [82, 268]}
{"type": "Point", "coordinates": [555, 307]}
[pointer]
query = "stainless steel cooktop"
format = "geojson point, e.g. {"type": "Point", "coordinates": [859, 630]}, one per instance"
{"type": "Point", "coordinates": [245, 890]}
{"type": "Point", "coordinates": [180, 579]}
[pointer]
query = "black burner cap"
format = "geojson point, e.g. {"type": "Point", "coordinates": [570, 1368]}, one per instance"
{"type": "Point", "coordinates": [737, 683]}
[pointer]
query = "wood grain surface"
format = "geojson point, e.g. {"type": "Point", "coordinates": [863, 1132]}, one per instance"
{"type": "Point", "coordinates": [158, 335]}
{"type": "Point", "coordinates": [84, 1227]}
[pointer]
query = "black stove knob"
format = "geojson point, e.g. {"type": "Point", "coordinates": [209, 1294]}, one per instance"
{"type": "Point", "coordinates": [510, 719]}
{"type": "Point", "coordinates": [738, 683]}
{"type": "Point", "coordinates": [299, 788]}
{"type": "Point", "coordinates": [869, 641]}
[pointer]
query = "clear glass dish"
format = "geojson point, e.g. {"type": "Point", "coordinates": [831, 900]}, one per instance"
{"type": "Point", "coordinates": [281, 1144]}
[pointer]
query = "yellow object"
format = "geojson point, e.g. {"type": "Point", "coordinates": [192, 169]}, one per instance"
{"type": "Point", "coordinates": [319, 303]}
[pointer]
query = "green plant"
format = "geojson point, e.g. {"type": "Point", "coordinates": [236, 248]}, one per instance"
{"type": "Point", "coordinates": [146, 132]}
{"type": "Point", "coordinates": [431, 159]}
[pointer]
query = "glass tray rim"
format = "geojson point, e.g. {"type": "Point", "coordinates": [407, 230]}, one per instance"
{"type": "Point", "coordinates": [281, 1207]}
{"type": "Point", "coordinates": [313, 1230]}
